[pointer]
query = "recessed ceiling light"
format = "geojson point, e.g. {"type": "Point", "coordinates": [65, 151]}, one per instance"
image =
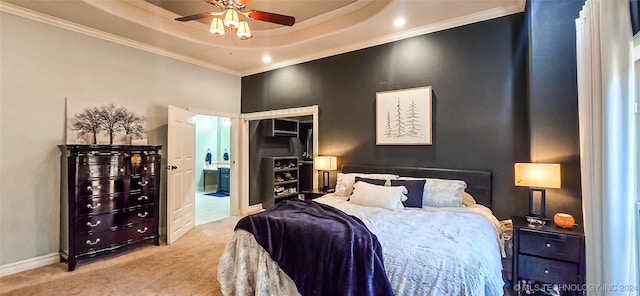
{"type": "Point", "coordinates": [266, 59]}
{"type": "Point", "coordinates": [399, 22]}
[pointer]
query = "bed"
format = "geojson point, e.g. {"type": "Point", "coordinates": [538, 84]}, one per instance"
{"type": "Point", "coordinates": [426, 250]}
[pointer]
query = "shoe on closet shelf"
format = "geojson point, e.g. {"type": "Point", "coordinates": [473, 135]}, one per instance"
{"type": "Point", "coordinates": [279, 178]}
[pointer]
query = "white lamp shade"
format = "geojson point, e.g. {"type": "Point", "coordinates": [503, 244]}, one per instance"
{"type": "Point", "coordinates": [243, 31]}
{"type": "Point", "coordinates": [541, 175]}
{"type": "Point", "coordinates": [326, 163]}
{"type": "Point", "coordinates": [217, 27]}
{"type": "Point", "coordinates": [231, 18]}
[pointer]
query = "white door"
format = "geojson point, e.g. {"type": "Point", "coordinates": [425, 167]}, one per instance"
{"type": "Point", "coordinates": [180, 173]}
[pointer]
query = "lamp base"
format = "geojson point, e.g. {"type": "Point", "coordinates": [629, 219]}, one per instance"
{"type": "Point", "coordinates": [538, 200]}
{"type": "Point", "coordinates": [325, 181]}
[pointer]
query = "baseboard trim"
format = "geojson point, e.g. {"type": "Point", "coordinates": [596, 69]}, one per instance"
{"type": "Point", "coordinates": [254, 208]}
{"type": "Point", "coordinates": [28, 264]}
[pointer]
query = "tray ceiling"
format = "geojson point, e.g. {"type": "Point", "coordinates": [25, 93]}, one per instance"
{"type": "Point", "coordinates": [323, 28]}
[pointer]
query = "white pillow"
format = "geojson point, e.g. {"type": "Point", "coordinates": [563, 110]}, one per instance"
{"type": "Point", "coordinates": [344, 182]}
{"type": "Point", "coordinates": [385, 197]}
{"type": "Point", "coordinates": [441, 192]}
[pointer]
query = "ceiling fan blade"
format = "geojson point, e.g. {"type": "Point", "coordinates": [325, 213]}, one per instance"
{"type": "Point", "coordinates": [194, 17]}
{"type": "Point", "coordinates": [272, 17]}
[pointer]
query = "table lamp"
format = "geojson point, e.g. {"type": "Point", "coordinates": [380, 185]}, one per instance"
{"type": "Point", "coordinates": [326, 164]}
{"type": "Point", "coordinates": [537, 176]}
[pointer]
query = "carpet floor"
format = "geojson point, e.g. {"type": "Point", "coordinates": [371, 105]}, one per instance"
{"type": "Point", "coordinates": [186, 267]}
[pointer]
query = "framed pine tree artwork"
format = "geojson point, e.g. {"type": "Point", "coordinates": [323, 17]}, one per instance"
{"type": "Point", "coordinates": [403, 117]}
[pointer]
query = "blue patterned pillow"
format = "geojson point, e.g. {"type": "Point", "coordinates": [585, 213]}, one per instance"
{"type": "Point", "coordinates": [415, 190]}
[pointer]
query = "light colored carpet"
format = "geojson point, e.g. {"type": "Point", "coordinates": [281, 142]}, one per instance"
{"type": "Point", "coordinates": [187, 267]}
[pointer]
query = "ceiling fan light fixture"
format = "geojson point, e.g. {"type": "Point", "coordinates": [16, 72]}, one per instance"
{"type": "Point", "coordinates": [217, 27]}
{"type": "Point", "coordinates": [243, 31]}
{"type": "Point", "coordinates": [231, 19]}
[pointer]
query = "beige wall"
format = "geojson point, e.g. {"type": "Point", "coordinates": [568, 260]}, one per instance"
{"type": "Point", "coordinates": [40, 66]}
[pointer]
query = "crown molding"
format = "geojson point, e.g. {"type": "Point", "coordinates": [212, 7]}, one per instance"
{"type": "Point", "coordinates": [440, 26]}
{"type": "Point", "coordinates": [447, 24]}
{"type": "Point", "coordinates": [60, 23]}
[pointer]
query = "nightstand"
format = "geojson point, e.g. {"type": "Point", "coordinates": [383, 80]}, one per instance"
{"type": "Point", "coordinates": [312, 194]}
{"type": "Point", "coordinates": [548, 255]}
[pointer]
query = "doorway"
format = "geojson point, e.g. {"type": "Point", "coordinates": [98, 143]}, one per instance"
{"type": "Point", "coordinates": [246, 167]}
{"type": "Point", "coordinates": [212, 168]}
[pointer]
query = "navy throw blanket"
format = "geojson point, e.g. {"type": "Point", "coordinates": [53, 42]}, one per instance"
{"type": "Point", "coordinates": [322, 249]}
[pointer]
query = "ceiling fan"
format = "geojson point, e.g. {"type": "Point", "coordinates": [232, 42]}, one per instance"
{"type": "Point", "coordinates": [228, 17]}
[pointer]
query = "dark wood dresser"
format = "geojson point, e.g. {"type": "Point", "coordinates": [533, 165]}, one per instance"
{"type": "Point", "coordinates": [109, 199]}
{"type": "Point", "coordinates": [547, 255]}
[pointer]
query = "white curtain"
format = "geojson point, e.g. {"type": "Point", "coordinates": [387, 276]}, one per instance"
{"type": "Point", "coordinates": [605, 103]}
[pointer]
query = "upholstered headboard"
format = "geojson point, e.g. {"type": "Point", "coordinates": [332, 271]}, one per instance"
{"type": "Point", "coordinates": [478, 181]}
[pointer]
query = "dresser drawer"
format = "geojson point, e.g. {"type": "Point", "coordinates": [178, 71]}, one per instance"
{"type": "Point", "coordinates": [547, 271]}
{"type": "Point", "coordinates": [114, 237]}
{"type": "Point", "coordinates": [113, 203]}
{"type": "Point", "coordinates": [140, 198]}
{"type": "Point", "coordinates": [100, 158]}
{"type": "Point", "coordinates": [102, 171]}
{"type": "Point", "coordinates": [95, 223]}
{"type": "Point", "coordinates": [98, 205]}
{"type": "Point", "coordinates": [143, 169]}
{"type": "Point", "coordinates": [142, 184]}
{"type": "Point", "coordinates": [87, 188]}
{"type": "Point", "coordinates": [143, 157]}
{"type": "Point", "coordinates": [550, 245]}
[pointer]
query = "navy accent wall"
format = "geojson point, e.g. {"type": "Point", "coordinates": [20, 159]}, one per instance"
{"type": "Point", "coordinates": [479, 100]}
{"type": "Point", "coordinates": [481, 111]}
{"type": "Point", "coordinates": [635, 16]}
{"type": "Point", "coordinates": [553, 98]}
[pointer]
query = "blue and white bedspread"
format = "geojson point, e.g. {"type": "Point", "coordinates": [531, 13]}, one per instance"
{"type": "Point", "coordinates": [430, 251]}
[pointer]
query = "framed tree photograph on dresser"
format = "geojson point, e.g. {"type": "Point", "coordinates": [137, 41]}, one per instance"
{"type": "Point", "coordinates": [91, 122]}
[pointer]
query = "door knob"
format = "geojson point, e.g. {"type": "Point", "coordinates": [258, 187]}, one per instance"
{"type": "Point", "coordinates": [171, 167]}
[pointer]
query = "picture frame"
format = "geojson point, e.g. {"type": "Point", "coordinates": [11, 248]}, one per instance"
{"type": "Point", "coordinates": [104, 123]}
{"type": "Point", "coordinates": [403, 117]}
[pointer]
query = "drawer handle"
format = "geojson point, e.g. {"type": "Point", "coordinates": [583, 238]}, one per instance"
{"type": "Point", "coordinates": [143, 215]}
{"type": "Point", "coordinates": [93, 243]}
{"type": "Point", "coordinates": [546, 271]}
{"type": "Point", "coordinates": [90, 206]}
{"type": "Point", "coordinates": [143, 183]}
{"type": "Point", "coordinates": [548, 245]}
{"type": "Point", "coordinates": [93, 225]}
{"type": "Point", "coordinates": [91, 188]}
{"type": "Point", "coordinates": [143, 230]}
{"type": "Point", "coordinates": [143, 197]}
